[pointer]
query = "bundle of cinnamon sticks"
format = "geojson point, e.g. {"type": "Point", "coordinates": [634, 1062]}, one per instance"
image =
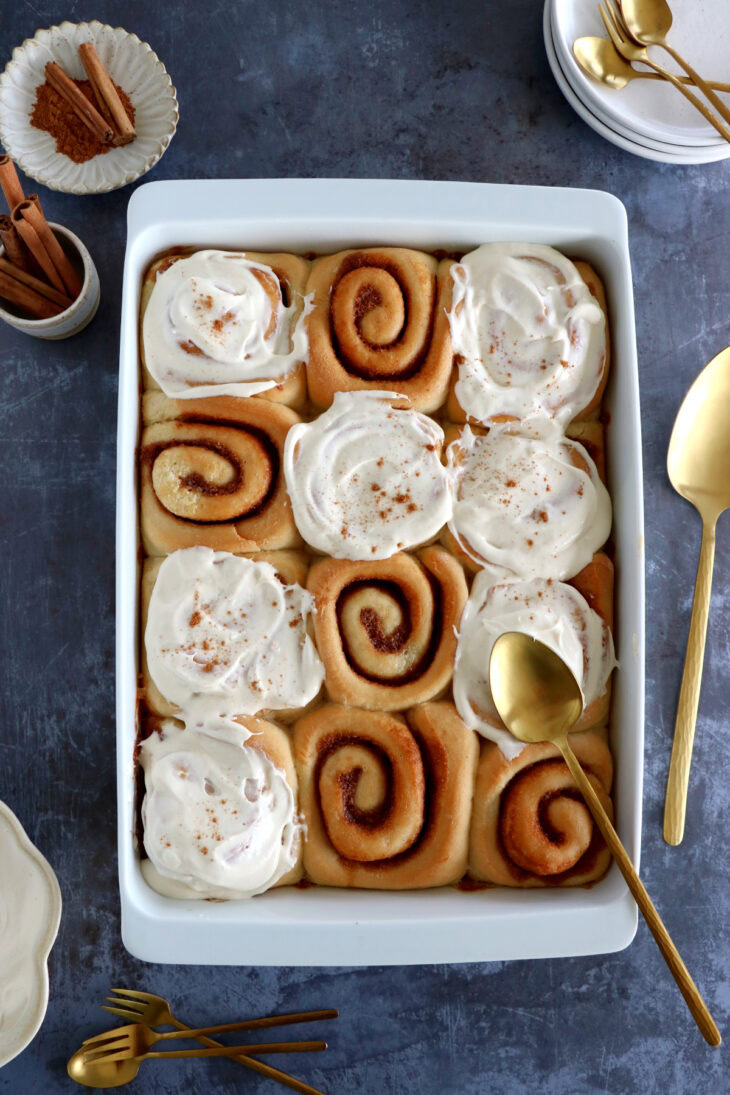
{"type": "Point", "coordinates": [109, 123]}
{"type": "Point", "coordinates": [35, 272]}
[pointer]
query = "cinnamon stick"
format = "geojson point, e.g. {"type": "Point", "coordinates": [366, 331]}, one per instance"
{"type": "Point", "coordinates": [110, 105]}
{"type": "Point", "coordinates": [12, 243]}
{"type": "Point", "coordinates": [10, 182]}
{"type": "Point", "coordinates": [22, 296]}
{"type": "Point", "coordinates": [58, 256]}
{"type": "Point", "coordinates": [88, 113]}
{"type": "Point", "coordinates": [41, 287]}
{"type": "Point", "coordinates": [36, 202]}
{"type": "Point", "coordinates": [35, 245]}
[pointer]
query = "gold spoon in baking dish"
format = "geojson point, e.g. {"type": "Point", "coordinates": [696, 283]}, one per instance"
{"type": "Point", "coordinates": [698, 463]}
{"type": "Point", "coordinates": [539, 699]}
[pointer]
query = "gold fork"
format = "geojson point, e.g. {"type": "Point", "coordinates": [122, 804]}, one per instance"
{"type": "Point", "coordinates": [136, 1040]}
{"type": "Point", "coordinates": [633, 52]}
{"type": "Point", "coordinates": [155, 1011]}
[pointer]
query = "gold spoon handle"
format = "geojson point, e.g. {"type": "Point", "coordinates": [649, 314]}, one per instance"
{"type": "Point", "coordinates": [671, 955]}
{"type": "Point", "coordinates": [697, 80]}
{"type": "Point", "coordinates": [683, 80]}
{"type": "Point", "coordinates": [675, 803]}
{"type": "Point", "coordinates": [707, 114]}
{"type": "Point", "coordinates": [254, 1024]}
{"type": "Point", "coordinates": [234, 1051]}
{"type": "Point", "coordinates": [256, 1066]}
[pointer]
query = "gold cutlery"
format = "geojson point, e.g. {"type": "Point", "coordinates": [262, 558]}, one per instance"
{"type": "Point", "coordinates": [698, 463]}
{"type": "Point", "coordinates": [155, 1011]}
{"type": "Point", "coordinates": [630, 51]}
{"type": "Point", "coordinates": [599, 59]}
{"type": "Point", "coordinates": [102, 1065]}
{"type": "Point", "coordinates": [539, 699]}
{"type": "Point", "coordinates": [648, 23]}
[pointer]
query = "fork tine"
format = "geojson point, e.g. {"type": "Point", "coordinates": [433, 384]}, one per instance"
{"type": "Point", "coordinates": [136, 994]}
{"type": "Point", "coordinates": [100, 1040]}
{"type": "Point", "coordinates": [613, 34]}
{"type": "Point", "coordinates": [123, 1013]}
{"type": "Point", "coordinates": [130, 1005]}
{"type": "Point", "coordinates": [115, 1053]}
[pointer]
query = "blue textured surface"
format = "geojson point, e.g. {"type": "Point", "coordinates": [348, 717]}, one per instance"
{"type": "Point", "coordinates": [406, 90]}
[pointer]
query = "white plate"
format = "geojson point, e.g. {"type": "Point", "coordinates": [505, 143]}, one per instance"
{"type": "Point", "coordinates": [322, 926]}
{"type": "Point", "coordinates": [694, 156]}
{"type": "Point", "coordinates": [30, 912]}
{"type": "Point", "coordinates": [652, 108]}
{"type": "Point", "coordinates": [131, 63]}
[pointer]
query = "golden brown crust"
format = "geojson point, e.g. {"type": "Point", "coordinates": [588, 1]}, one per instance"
{"type": "Point", "coordinates": [386, 803]}
{"type": "Point", "coordinates": [529, 825]}
{"type": "Point", "coordinates": [291, 272]}
{"type": "Point", "coordinates": [386, 630]}
{"type": "Point", "coordinates": [211, 474]}
{"type": "Point", "coordinates": [379, 322]}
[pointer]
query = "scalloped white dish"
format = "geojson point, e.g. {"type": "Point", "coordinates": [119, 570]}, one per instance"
{"type": "Point", "coordinates": [131, 63]}
{"type": "Point", "coordinates": [30, 912]}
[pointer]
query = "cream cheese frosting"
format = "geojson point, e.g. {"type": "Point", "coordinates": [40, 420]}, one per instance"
{"type": "Point", "coordinates": [366, 478]}
{"type": "Point", "coordinates": [531, 337]}
{"type": "Point", "coordinates": [215, 324]}
{"type": "Point", "coordinates": [225, 636]}
{"type": "Point", "coordinates": [219, 818]}
{"type": "Point", "coordinates": [527, 506]}
{"type": "Point", "coordinates": [553, 612]}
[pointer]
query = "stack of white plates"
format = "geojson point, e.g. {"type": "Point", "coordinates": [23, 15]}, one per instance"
{"type": "Point", "coordinates": [648, 117]}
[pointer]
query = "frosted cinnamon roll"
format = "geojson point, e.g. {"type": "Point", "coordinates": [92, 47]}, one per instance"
{"type": "Point", "coordinates": [555, 613]}
{"type": "Point", "coordinates": [225, 323]}
{"type": "Point", "coordinates": [225, 636]}
{"type": "Point", "coordinates": [379, 322]}
{"type": "Point", "coordinates": [386, 631]}
{"type": "Point", "coordinates": [219, 813]}
{"type": "Point", "coordinates": [530, 335]}
{"type": "Point", "coordinates": [526, 506]}
{"type": "Point", "coordinates": [386, 803]}
{"type": "Point", "coordinates": [530, 825]}
{"type": "Point", "coordinates": [210, 474]}
{"type": "Point", "coordinates": [366, 478]}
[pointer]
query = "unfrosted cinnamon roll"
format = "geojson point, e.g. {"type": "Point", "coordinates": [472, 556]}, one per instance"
{"type": "Point", "coordinates": [211, 474]}
{"type": "Point", "coordinates": [225, 323]}
{"type": "Point", "coordinates": [386, 802]}
{"type": "Point", "coordinates": [386, 631]}
{"type": "Point", "coordinates": [379, 321]}
{"type": "Point", "coordinates": [525, 506]}
{"type": "Point", "coordinates": [366, 479]}
{"type": "Point", "coordinates": [529, 332]}
{"type": "Point", "coordinates": [572, 619]}
{"type": "Point", "coordinates": [219, 814]}
{"type": "Point", "coordinates": [530, 825]}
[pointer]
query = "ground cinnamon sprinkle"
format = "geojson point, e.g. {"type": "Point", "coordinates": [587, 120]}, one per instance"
{"type": "Point", "coordinates": [74, 139]}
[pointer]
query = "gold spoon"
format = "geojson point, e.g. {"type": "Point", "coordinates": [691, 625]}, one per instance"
{"type": "Point", "coordinates": [600, 60]}
{"type": "Point", "coordinates": [698, 463]}
{"type": "Point", "coordinates": [114, 1071]}
{"type": "Point", "coordinates": [630, 51]}
{"type": "Point", "coordinates": [538, 699]}
{"type": "Point", "coordinates": [648, 22]}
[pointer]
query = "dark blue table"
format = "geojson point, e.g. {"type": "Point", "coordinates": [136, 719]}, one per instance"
{"type": "Point", "coordinates": [390, 89]}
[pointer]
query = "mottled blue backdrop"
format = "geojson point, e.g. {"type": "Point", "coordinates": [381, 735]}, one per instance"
{"type": "Point", "coordinates": [397, 89]}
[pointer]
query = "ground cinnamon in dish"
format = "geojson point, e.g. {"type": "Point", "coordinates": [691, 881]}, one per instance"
{"type": "Point", "coordinates": [54, 115]}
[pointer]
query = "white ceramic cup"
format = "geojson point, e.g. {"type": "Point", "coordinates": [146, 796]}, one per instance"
{"type": "Point", "coordinates": [79, 313]}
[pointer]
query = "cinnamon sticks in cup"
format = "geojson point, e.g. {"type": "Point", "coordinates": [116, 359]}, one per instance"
{"type": "Point", "coordinates": [36, 274]}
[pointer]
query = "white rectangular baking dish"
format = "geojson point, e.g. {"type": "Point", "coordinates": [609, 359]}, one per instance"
{"type": "Point", "coordinates": [321, 926]}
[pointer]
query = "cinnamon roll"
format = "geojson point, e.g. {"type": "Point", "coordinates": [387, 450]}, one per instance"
{"type": "Point", "coordinates": [386, 802]}
{"type": "Point", "coordinates": [529, 333]}
{"type": "Point", "coordinates": [225, 323]}
{"type": "Point", "coordinates": [573, 620]}
{"type": "Point", "coordinates": [366, 478]}
{"type": "Point", "coordinates": [226, 635]}
{"type": "Point", "coordinates": [530, 825]}
{"type": "Point", "coordinates": [386, 631]}
{"type": "Point", "coordinates": [379, 321]}
{"type": "Point", "coordinates": [219, 813]}
{"type": "Point", "coordinates": [210, 474]}
{"type": "Point", "coordinates": [525, 506]}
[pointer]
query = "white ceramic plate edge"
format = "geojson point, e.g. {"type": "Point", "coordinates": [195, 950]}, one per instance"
{"type": "Point", "coordinates": [321, 926]}
{"type": "Point", "coordinates": [45, 944]}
